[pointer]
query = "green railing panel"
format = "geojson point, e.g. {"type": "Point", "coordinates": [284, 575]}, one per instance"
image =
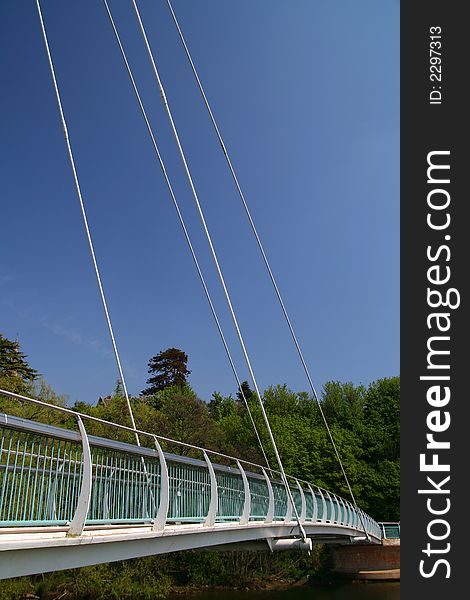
{"type": "Point", "coordinates": [40, 478]}
{"type": "Point", "coordinates": [124, 486]}
{"type": "Point", "coordinates": [231, 496]}
{"type": "Point", "coordinates": [309, 504]}
{"type": "Point", "coordinates": [190, 492]}
{"type": "Point", "coordinates": [336, 513]}
{"type": "Point", "coordinates": [297, 500]}
{"type": "Point", "coordinates": [280, 501]}
{"type": "Point", "coordinates": [259, 499]}
{"type": "Point", "coordinates": [319, 506]}
{"type": "Point", "coordinates": [329, 508]}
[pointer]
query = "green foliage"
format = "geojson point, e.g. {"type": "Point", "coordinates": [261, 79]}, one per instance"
{"type": "Point", "coordinates": [184, 417]}
{"type": "Point", "coordinates": [175, 412]}
{"type": "Point", "coordinates": [114, 410]}
{"type": "Point", "coordinates": [221, 407]}
{"type": "Point", "coordinates": [139, 579]}
{"type": "Point", "coordinates": [129, 580]}
{"type": "Point", "coordinates": [382, 448]}
{"type": "Point", "coordinates": [17, 376]}
{"type": "Point", "coordinates": [168, 368]}
{"type": "Point", "coordinates": [280, 400]}
{"type": "Point", "coordinates": [195, 569]}
{"type": "Point", "coordinates": [15, 373]}
{"type": "Point", "coordinates": [382, 418]}
{"type": "Point", "coordinates": [152, 578]}
{"type": "Point", "coordinates": [37, 389]}
{"type": "Point", "coordinates": [343, 404]}
{"type": "Point", "coordinates": [365, 424]}
{"type": "Point", "coordinates": [16, 589]}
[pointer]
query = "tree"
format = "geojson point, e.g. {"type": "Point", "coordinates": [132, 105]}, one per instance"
{"type": "Point", "coordinates": [15, 373]}
{"type": "Point", "coordinates": [245, 390]}
{"type": "Point", "coordinates": [13, 362]}
{"type": "Point", "coordinates": [168, 369]}
{"type": "Point", "coordinates": [17, 376]}
{"type": "Point", "coordinates": [221, 406]}
{"type": "Point", "coordinates": [280, 400]}
{"type": "Point", "coordinates": [344, 404]}
{"type": "Point", "coordinates": [185, 417]}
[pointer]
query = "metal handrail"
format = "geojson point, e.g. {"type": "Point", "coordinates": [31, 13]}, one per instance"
{"type": "Point", "coordinates": [299, 487]}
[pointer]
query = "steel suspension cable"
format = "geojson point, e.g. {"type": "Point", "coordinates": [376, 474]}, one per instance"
{"type": "Point", "coordinates": [183, 225]}
{"type": "Point", "coordinates": [85, 220]}
{"type": "Point", "coordinates": [217, 265]}
{"type": "Point", "coordinates": [260, 246]}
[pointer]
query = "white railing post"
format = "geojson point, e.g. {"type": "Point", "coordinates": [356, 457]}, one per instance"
{"type": "Point", "coordinates": [323, 503]}
{"type": "Point", "coordinates": [339, 518]}
{"type": "Point", "coordinates": [270, 514]}
{"type": "Point", "coordinates": [363, 521]}
{"type": "Point", "coordinates": [303, 509]}
{"type": "Point", "coordinates": [315, 505]}
{"type": "Point", "coordinates": [245, 516]}
{"type": "Point", "coordinates": [212, 512]}
{"type": "Point", "coordinates": [162, 512]}
{"type": "Point", "coordinates": [289, 511]}
{"type": "Point", "coordinates": [78, 522]}
{"type": "Point", "coordinates": [344, 518]}
{"type": "Point", "coordinates": [332, 508]}
{"type": "Point", "coordinates": [336, 509]}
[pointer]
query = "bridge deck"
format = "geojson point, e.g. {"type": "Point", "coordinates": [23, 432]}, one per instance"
{"type": "Point", "coordinates": [47, 549]}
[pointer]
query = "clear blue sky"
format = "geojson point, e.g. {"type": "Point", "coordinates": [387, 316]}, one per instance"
{"type": "Point", "coordinates": [307, 97]}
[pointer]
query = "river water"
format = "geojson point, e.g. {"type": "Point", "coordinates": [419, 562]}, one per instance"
{"type": "Point", "coordinates": [349, 591]}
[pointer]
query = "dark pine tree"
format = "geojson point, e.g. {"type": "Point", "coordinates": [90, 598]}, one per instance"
{"type": "Point", "coordinates": [13, 362]}
{"type": "Point", "coordinates": [247, 392]}
{"type": "Point", "coordinates": [167, 368]}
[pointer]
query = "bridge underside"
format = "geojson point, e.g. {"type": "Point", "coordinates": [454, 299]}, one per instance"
{"type": "Point", "coordinates": [49, 549]}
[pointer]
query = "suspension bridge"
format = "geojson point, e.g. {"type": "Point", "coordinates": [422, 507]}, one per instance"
{"type": "Point", "coordinates": [71, 499]}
